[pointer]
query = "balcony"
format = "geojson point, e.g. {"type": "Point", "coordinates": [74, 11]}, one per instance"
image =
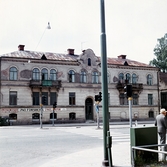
{"type": "Point", "coordinates": [135, 87]}
{"type": "Point", "coordinates": [45, 83]}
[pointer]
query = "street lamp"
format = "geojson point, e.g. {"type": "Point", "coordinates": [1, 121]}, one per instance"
{"type": "Point", "coordinates": [48, 27]}
{"type": "Point", "coordinates": [106, 133]}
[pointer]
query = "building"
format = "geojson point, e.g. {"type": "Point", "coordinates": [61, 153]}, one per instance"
{"type": "Point", "coordinates": [73, 81]}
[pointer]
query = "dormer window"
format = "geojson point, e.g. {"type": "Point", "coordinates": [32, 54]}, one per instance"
{"type": "Point", "coordinates": [89, 62]}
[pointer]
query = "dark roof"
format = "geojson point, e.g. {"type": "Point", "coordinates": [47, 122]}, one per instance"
{"type": "Point", "coordinates": [126, 62]}
{"type": "Point", "coordinates": [121, 60]}
{"type": "Point", "coordinates": [39, 55]}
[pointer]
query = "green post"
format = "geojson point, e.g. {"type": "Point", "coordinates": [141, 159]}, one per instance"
{"type": "Point", "coordinates": [104, 85]}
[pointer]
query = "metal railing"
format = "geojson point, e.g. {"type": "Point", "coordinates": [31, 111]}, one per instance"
{"type": "Point", "coordinates": [143, 148]}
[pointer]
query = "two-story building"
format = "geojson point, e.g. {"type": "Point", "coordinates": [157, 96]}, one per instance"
{"type": "Point", "coordinates": [73, 81]}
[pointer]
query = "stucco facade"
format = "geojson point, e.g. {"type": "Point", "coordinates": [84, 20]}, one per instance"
{"type": "Point", "coordinates": [73, 81]}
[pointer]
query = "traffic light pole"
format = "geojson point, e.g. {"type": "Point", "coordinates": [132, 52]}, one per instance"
{"type": "Point", "coordinates": [97, 113]}
{"type": "Point", "coordinates": [41, 112]}
{"type": "Point", "coordinates": [130, 111]}
{"type": "Point", "coordinates": [53, 117]}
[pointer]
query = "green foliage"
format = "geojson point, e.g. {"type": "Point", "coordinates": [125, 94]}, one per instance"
{"type": "Point", "coordinates": [160, 51]}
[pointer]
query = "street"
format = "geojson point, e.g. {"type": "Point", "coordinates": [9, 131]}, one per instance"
{"type": "Point", "coordinates": [31, 146]}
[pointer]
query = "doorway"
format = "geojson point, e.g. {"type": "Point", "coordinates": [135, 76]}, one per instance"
{"type": "Point", "coordinates": [89, 109]}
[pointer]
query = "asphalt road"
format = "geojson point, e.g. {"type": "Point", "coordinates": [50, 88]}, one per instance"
{"type": "Point", "coordinates": [24, 146]}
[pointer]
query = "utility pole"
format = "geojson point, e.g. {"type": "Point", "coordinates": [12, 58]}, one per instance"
{"type": "Point", "coordinates": [106, 133]}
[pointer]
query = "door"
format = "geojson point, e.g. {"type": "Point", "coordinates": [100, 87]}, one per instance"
{"type": "Point", "coordinates": [89, 109]}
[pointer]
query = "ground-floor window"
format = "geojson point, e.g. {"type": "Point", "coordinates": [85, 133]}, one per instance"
{"type": "Point", "coordinates": [35, 116]}
{"type": "Point", "coordinates": [53, 98]}
{"type": "Point", "coordinates": [35, 98]}
{"type": "Point", "coordinates": [151, 114]}
{"type": "Point", "coordinates": [72, 116]}
{"type": "Point", "coordinates": [13, 116]}
{"type": "Point", "coordinates": [51, 115]}
{"type": "Point", "coordinates": [71, 98]}
{"type": "Point", "coordinates": [12, 98]}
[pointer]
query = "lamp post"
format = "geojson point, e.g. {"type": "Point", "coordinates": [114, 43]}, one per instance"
{"type": "Point", "coordinates": [106, 134]}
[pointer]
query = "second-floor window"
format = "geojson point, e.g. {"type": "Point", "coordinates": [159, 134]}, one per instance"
{"type": "Point", "coordinates": [121, 77]}
{"type": "Point", "coordinates": [71, 76]}
{"type": "Point", "coordinates": [83, 77]}
{"type": "Point", "coordinates": [95, 77]}
{"type": "Point", "coordinates": [13, 73]}
{"type": "Point", "coordinates": [53, 74]}
{"type": "Point", "coordinates": [35, 74]}
{"type": "Point", "coordinates": [149, 79]}
{"type": "Point", "coordinates": [44, 74]}
{"type": "Point", "coordinates": [134, 78]}
{"type": "Point", "coordinates": [127, 79]}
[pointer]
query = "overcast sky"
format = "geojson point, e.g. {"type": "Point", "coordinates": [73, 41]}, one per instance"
{"type": "Point", "coordinates": [132, 26]}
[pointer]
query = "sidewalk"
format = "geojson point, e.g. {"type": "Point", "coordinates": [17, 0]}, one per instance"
{"type": "Point", "coordinates": [94, 158]}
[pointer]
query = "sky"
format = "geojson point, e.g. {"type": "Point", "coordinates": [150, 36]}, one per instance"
{"type": "Point", "coordinates": [132, 26]}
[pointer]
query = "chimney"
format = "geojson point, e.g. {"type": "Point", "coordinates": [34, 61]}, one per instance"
{"type": "Point", "coordinates": [70, 51]}
{"type": "Point", "coordinates": [122, 57]}
{"type": "Point", "coordinates": [21, 47]}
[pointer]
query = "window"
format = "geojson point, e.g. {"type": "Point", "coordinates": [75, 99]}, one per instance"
{"type": "Point", "coordinates": [150, 99]}
{"type": "Point", "coordinates": [71, 76]}
{"type": "Point", "coordinates": [108, 77]}
{"type": "Point", "coordinates": [71, 98]}
{"type": "Point", "coordinates": [128, 78]}
{"type": "Point", "coordinates": [44, 74]}
{"type": "Point", "coordinates": [13, 73]}
{"type": "Point", "coordinates": [123, 99]}
{"type": "Point", "coordinates": [52, 74]}
{"type": "Point", "coordinates": [53, 97]}
{"type": "Point", "coordinates": [121, 77]}
{"type": "Point", "coordinates": [55, 116]}
{"type": "Point", "coordinates": [12, 98]}
{"type": "Point", "coordinates": [72, 116]}
{"type": "Point", "coordinates": [151, 114]}
{"type": "Point", "coordinates": [89, 62]}
{"type": "Point", "coordinates": [149, 79]}
{"type": "Point", "coordinates": [35, 98]}
{"type": "Point", "coordinates": [35, 116]}
{"type": "Point", "coordinates": [108, 98]}
{"type": "Point", "coordinates": [46, 96]}
{"type": "Point", "coordinates": [13, 116]}
{"type": "Point", "coordinates": [134, 78]}
{"type": "Point", "coordinates": [35, 74]}
{"type": "Point", "coordinates": [95, 77]}
{"type": "Point", "coordinates": [83, 77]}
{"type": "Point", "coordinates": [135, 99]}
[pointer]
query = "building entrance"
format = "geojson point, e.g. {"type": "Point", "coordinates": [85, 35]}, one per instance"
{"type": "Point", "coordinates": [89, 109]}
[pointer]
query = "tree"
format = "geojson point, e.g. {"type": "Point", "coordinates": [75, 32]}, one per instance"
{"type": "Point", "coordinates": [160, 51]}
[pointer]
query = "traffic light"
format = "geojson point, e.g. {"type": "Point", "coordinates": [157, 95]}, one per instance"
{"type": "Point", "coordinates": [100, 96]}
{"type": "Point", "coordinates": [128, 90]}
{"type": "Point", "coordinates": [43, 99]}
{"type": "Point", "coordinates": [54, 104]}
{"type": "Point", "coordinates": [96, 97]}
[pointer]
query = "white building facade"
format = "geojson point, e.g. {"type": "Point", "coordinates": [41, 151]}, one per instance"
{"type": "Point", "coordinates": [73, 81]}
